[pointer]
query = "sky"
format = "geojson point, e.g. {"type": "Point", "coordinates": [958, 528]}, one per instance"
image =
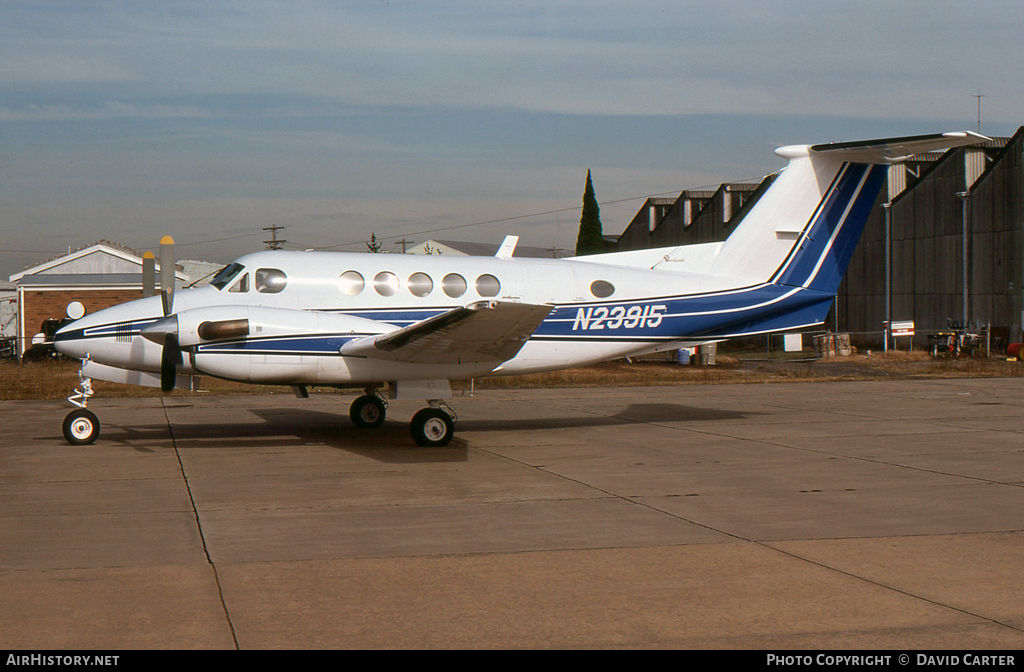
{"type": "Point", "coordinates": [460, 120]}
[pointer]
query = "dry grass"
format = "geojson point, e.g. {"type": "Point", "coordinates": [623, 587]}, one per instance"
{"type": "Point", "coordinates": [56, 380]}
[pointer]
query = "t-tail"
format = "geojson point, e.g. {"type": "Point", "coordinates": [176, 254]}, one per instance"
{"type": "Point", "coordinates": [802, 233]}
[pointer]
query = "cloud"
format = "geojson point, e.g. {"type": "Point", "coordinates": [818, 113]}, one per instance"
{"type": "Point", "coordinates": [873, 58]}
{"type": "Point", "coordinates": [106, 111]}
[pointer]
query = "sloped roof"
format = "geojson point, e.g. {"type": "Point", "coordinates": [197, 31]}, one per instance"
{"type": "Point", "coordinates": [117, 259]}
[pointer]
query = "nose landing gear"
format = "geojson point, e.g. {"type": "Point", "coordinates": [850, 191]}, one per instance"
{"type": "Point", "coordinates": [81, 426]}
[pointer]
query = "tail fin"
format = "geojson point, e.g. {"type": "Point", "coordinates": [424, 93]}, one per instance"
{"type": "Point", "coordinates": [804, 230]}
{"type": "Point", "coordinates": [824, 248]}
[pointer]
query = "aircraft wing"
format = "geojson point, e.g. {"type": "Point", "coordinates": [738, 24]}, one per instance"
{"type": "Point", "coordinates": [480, 332]}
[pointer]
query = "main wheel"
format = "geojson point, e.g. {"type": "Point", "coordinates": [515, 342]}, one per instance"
{"type": "Point", "coordinates": [81, 427]}
{"type": "Point", "coordinates": [432, 428]}
{"type": "Point", "coordinates": [367, 411]}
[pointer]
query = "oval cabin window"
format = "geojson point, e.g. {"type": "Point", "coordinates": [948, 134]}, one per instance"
{"type": "Point", "coordinates": [351, 282]}
{"type": "Point", "coordinates": [487, 285]}
{"type": "Point", "coordinates": [454, 285]}
{"type": "Point", "coordinates": [420, 284]}
{"type": "Point", "coordinates": [601, 289]}
{"type": "Point", "coordinates": [386, 283]}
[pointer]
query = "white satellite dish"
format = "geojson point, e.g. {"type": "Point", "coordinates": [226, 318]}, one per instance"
{"type": "Point", "coordinates": [76, 310]}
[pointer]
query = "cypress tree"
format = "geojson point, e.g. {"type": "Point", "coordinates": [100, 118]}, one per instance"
{"type": "Point", "coordinates": [591, 238]}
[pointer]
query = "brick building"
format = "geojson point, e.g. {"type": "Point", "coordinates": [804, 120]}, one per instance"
{"type": "Point", "coordinates": [97, 276]}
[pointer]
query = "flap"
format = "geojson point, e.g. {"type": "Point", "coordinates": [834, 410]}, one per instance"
{"type": "Point", "coordinates": [484, 331]}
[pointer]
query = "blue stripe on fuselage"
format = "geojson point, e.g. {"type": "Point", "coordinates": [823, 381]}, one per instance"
{"type": "Point", "coordinates": [306, 344]}
{"type": "Point", "coordinates": [672, 318]}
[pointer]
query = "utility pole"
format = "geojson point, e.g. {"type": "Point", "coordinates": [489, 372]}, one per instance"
{"type": "Point", "coordinates": [274, 243]}
{"type": "Point", "coordinates": [888, 271]}
{"type": "Point", "coordinates": [403, 242]}
{"type": "Point", "coordinates": [965, 198]}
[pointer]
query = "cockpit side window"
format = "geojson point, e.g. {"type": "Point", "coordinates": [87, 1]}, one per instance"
{"type": "Point", "coordinates": [241, 286]}
{"type": "Point", "coordinates": [270, 280]}
{"type": "Point", "coordinates": [226, 275]}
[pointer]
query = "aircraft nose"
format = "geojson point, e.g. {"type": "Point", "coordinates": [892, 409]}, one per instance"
{"type": "Point", "coordinates": [70, 339]}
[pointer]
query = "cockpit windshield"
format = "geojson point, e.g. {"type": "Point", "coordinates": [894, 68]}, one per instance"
{"type": "Point", "coordinates": [226, 275]}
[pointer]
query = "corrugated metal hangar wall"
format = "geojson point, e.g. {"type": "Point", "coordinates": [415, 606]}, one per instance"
{"type": "Point", "coordinates": [981, 187]}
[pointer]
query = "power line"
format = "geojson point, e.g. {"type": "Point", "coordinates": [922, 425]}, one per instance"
{"type": "Point", "coordinates": [509, 219]}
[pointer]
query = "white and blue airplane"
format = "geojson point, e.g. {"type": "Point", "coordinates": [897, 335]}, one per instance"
{"type": "Point", "coordinates": [417, 322]}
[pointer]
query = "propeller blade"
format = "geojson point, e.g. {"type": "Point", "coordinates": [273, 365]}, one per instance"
{"type": "Point", "coordinates": [170, 358]}
{"type": "Point", "coordinates": [167, 299]}
{"type": "Point", "coordinates": [167, 273]}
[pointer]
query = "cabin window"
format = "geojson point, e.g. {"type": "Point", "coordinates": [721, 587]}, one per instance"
{"type": "Point", "coordinates": [454, 285]}
{"type": "Point", "coordinates": [270, 280]}
{"type": "Point", "coordinates": [420, 284]}
{"type": "Point", "coordinates": [487, 285]}
{"type": "Point", "coordinates": [226, 275]}
{"type": "Point", "coordinates": [386, 283]}
{"type": "Point", "coordinates": [241, 286]}
{"type": "Point", "coordinates": [351, 282]}
{"type": "Point", "coordinates": [601, 289]}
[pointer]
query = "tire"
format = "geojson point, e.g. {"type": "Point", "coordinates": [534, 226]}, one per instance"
{"type": "Point", "coordinates": [81, 427]}
{"type": "Point", "coordinates": [432, 428]}
{"type": "Point", "coordinates": [367, 411]}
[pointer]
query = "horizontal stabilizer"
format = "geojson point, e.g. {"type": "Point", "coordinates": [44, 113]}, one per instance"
{"type": "Point", "coordinates": [893, 150]}
{"type": "Point", "coordinates": [480, 332]}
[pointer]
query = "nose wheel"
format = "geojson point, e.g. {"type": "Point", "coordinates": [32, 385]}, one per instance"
{"type": "Point", "coordinates": [81, 427]}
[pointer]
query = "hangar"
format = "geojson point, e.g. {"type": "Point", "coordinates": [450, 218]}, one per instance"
{"type": "Point", "coordinates": [955, 247]}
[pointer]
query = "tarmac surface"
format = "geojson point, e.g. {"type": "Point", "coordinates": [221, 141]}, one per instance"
{"type": "Point", "coordinates": [878, 515]}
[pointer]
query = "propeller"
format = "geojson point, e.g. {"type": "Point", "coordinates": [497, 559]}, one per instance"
{"type": "Point", "coordinates": [165, 330]}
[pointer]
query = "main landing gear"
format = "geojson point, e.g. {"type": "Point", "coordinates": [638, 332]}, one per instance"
{"type": "Point", "coordinates": [81, 426]}
{"type": "Point", "coordinates": [431, 427]}
{"type": "Point", "coordinates": [368, 411]}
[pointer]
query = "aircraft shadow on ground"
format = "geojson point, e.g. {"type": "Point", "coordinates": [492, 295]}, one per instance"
{"type": "Point", "coordinates": [391, 443]}
{"type": "Point", "coordinates": [634, 414]}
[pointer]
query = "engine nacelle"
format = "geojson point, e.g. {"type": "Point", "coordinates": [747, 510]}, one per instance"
{"type": "Point", "coordinates": [267, 345]}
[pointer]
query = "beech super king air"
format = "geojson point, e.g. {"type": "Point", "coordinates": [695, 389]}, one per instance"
{"type": "Point", "coordinates": [418, 322]}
